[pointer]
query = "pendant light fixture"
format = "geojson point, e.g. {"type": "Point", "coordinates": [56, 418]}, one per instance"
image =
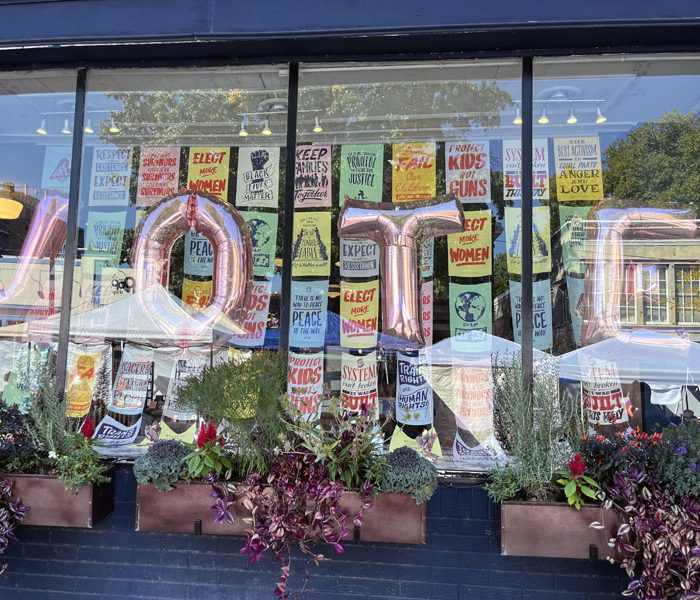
{"type": "Point", "coordinates": [41, 130]}
{"type": "Point", "coordinates": [10, 208]}
{"type": "Point", "coordinates": [317, 125]}
{"type": "Point", "coordinates": [66, 127]}
{"type": "Point", "coordinates": [88, 128]}
{"type": "Point", "coordinates": [544, 119]}
{"type": "Point", "coordinates": [572, 119]}
{"type": "Point", "coordinates": [266, 129]}
{"type": "Point", "coordinates": [243, 132]}
{"type": "Point", "coordinates": [600, 116]}
{"type": "Point", "coordinates": [518, 120]}
{"type": "Point", "coordinates": [113, 127]}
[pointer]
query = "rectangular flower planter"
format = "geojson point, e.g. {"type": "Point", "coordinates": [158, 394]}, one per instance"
{"type": "Point", "coordinates": [52, 505]}
{"type": "Point", "coordinates": [556, 530]}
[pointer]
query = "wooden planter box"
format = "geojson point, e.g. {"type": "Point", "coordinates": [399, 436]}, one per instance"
{"type": "Point", "coordinates": [393, 518]}
{"type": "Point", "coordinates": [556, 530]}
{"type": "Point", "coordinates": [52, 505]}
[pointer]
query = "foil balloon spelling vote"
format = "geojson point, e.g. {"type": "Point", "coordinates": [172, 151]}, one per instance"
{"type": "Point", "coordinates": [398, 231]}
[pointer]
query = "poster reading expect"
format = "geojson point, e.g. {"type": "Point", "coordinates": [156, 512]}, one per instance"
{"type": "Point", "coordinates": [512, 173]}
{"type": "Point", "coordinates": [469, 252]}
{"type": "Point", "coordinates": [602, 394]}
{"type": "Point", "coordinates": [426, 303]}
{"type": "Point", "coordinates": [358, 383]}
{"type": "Point", "coordinates": [358, 258]}
{"type": "Point", "coordinates": [470, 315]}
{"type": "Point", "coordinates": [361, 172]}
{"type": "Point", "coordinates": [133, 380]}
{"type": "Point", "coordinates": [579, 170]}
{"type": "Point", "coordinates": [312, 176]}
{"type": "Point", "coordinates": [263, 234]}
{"type": "Point", "coordinates": [309, 313]}
{"type": "Point", "coordinates": [413, 176]}
{"type": "Point", "coordinates": [258, 178]}
{"type": "Point", "coordinates": [158, 173]}
{"type": "Point", "coordinates": [541, 240]}
{"type": "Point", "coordinates": [359, 313]}
{"type": "Point", "coordinates": [305, 384]}
{"type": "Point", "coordinates": [414, 397]}
{"type": "Point", "coordinates": [257, 304]}
{"type": "Point", "coordinates": [312, 243]}
{"type": "Point", "coordinates": [468, 174]}
{"type": "Point", "coordinates": [110, 176]}
{"type": "Point", "coordinates": [541, 313]}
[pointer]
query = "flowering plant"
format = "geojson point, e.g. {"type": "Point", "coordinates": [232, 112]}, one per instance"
{"type": "Point", "coordinates": [576, 483]}
{"type": "Point", "coordinates": [676, 460]}
{"type": "Point", "coordinates": [208, 454]}
{"type": "Point", "coordinates": [11, 515]}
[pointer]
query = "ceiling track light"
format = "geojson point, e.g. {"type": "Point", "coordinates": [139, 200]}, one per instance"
{"type": "Point", "coordinates": [243, 131]}
{"type": "Point", "coordinates": [113, 127]}
{"type": "Point", "coordinates": [600, 116]}
{"type": "Point", "coordinates": [66, 127]}
{"type": "Point", "coordinates": [518, 120]}
{"type": "Point", "coordinates": [41, 130]}
{"type": "Point", "coordinates": [572, 119]}
{"type": "Point", "coordinates": [266, 129]}
{"type": "Point", "coordinates": [88, 128]}
{"type": "Point", "coordinates": [317, 125]}
{"type": "Point", "coordinates": [544, 119]}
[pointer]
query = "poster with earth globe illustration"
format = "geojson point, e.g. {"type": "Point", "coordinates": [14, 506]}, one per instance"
{"type": "Point", "coordinates": [263, 235]}
{"type": "Point", "coordinates": [470, 316]}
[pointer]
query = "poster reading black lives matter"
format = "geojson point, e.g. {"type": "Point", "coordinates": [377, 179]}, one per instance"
{"type": "Point", "coordinates": [111, 432]}
{"type": "Point", "coordinates": [110, 176]}
{"type": "Point", "coordinates": [258, 178]}
{"type": "Point", "coordinates": [541, 313]}
{"type": "Point", "coordinates": [414, 397]}
{"type": "Point", "coordinates": [358, 258]}
{"type": "Point", "coordinates": [312, 176]}
{"type": "Point", "coordinates": [309, 313]}
{"type": "Point", "coordinates": [361, 172]}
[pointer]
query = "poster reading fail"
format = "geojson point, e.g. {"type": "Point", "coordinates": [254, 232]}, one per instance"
{"type": "Point", "coordinates": [309, 314]}
{"type": "Point", "coordinates": [257, 309]}
{"type": "Point", "coordinates": [312, 244]}
{"type": "Point", "coordinates": [104, 235]}
{"type": "Point", "coordinates": [541, 313]}
{"type": "Point", "coordinates": [579, 169]}
{"type": "Point", "coordinates": [602, 394]}
{"type": "Point", "coordinates": [196, 293]}
{"type": "Point", "coordinates": [413, 171]}
{"type": "Point", "coordinates": [133, 381]}
{"type": "Point", "coordinates": [358, 258]}
{"type": "Point", "coordinates": [207, 170]}
{"type": "Point", "coordinates": [111, 432]}
{"type": "Point", "coordinates": [110, 176]}
{"type": "Point", "coordinates": [263, 234]}
{"type": "Point", "coordinates": [469, 252]}
{"type": "Point", "coordinates": [258, 178]}
{"type": "Point", "coordinates": [541, 240]}
{"type": "Point", "coordinates": [56, 173]}
{"type": "Point", "coordinates": [472, 393]}
{"type": "Point", "coordinates": [358, 383]}
{"type": "Point", "coordinates": [359, 313]}
{"type": "Point", "coordinates": [159, 168]}
{"type": "Point", "coordinates": [312, 176]}
{"type": "Point", "coordinates": [361, 172]}
{"type": "Point", "coordinates": [512, 174]}
{"type": "Point", "coordinates": [305, 384]}
{"type": "Point", "coordinates": [468, 174]}
{"type": "Point", "coordinates": [185, 366]}
{"type": "Point", "coordinates": [414, 397]}
{"type": "Point", "coordinates": [470, 316]}
{"type": "Point", "coordinates": [572, 221]}
{"type": "Point", "coordinates": [426, 314]}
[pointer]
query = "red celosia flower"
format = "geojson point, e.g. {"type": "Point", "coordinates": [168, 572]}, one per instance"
{"type": "Point", "coordinates": [88, 428]}
{"type": "Point", "coordinates": [207, 433]}
{"type": "Point", "coordinates": [577, 466]}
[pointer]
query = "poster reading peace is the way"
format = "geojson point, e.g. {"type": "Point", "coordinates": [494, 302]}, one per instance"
{"type": "Point", "coordinates": [159, 168]}
{"type": "Point", "coordinates": [312, 176]}
{"type": "Point", "coordinates": [207, 170]}
{"type": "Point", "coordinates": [257, 305]}
{"type": "Point", "coordinates": [104, 235]}
{"type": "Point", "coordinates": [541, 240]}
{"type": "Point", "coordinates": [602, 394]}
{"type": "Point", "coordinates": [258, 178]}
{"type": "Point", "coordinates": [56, 173]}
{"type": "Point", "coordinates": [358, 383]}
{"type": "Point", "coordinates": [470, 315]}
{"type": "Point", "coordinates": [199, 255]}
{"type": "Point", "coordinates": [467, 171]}
{"type": "Point", "coordinates": [132, 381]}
{"type": "Point", "coordinates": [469, 252]}
{"type": "Point", "coordinates": [414, 397]}
{"type": "Point", "coordinates": [305, 384]}
{"type": "Point", "coordinates": [263, 234]}
{"type": "Point", "coordinates": [413, 171]}
{"type": "Point", "coordinates": [426, 308]}
{"type": "Point", "coordinates": [512, 173]}
{"type": "Point", "coordinates": [196, 293]}
{"type": "Point", "coordinates": [472, 393]}
{"type": "Point", "coordinates": [312, 244]}
{"type": "Point", "coordinates": [579, 169]}
{"type": "Point", "coordinates": [361, 171]}
{"type": "Point", "coordinates": [110, 176]}
{"type": "Point", "coordinates": [541, 313]}
{"type": "Point", "coordinates": [309, 313]}
{"type": "Point", "coordinates": [359, 313]}
{"type": "Point", "coordinates": [572, 220]}
{"type": "Point", "coordinates": [358, 258]}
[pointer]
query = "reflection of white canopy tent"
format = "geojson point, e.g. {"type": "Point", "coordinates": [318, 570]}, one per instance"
{"type": "Point", "coordinates": [492, 348]}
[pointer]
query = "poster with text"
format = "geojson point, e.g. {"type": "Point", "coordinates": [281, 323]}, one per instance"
{"type": "Point", "coordinates": [159, 168]}
{"type": "Point", "coordinates": [426, 304]}
{"type": "Point", "coordinates": [413, 171]}
{"type": "Point", "coordinates": [196, 293]}
{"type": "Point", "coordinates": [572, 221]}
{"type": "Point", "coordinates": [110, 176]}
{"type": "Point", "coordinates": [414, 397]}
{"type": "Point", "coordinates": [257, 311]}
{"type": "Point", "coordinates": [359, 313]}
{"type": "Point", "coordinates": [361, 172]}
{"type": "Point", "coordinates": [312, 176]}
{"type": "Point", "coordinates": [541, 240]}
{"type": "Point", "coordinates": [541, 313]}
{"type": "Point", "coordinates": [258, 178]}
{"type": "Point", "coordinates": [133, 380]}
{"type": "Point", "coordinates": [104, 235]}
{"type": "Point", "coordinates": [358, 383]}
{"type": "Point", "coordinates": [305, 384]}
{"type": "Point", "coordinates": [579, 169]}
{"type": "Point", "coordinates": [427, 258]}
{"type": "Point", "coordinates": [199, 255]}
{"type": "Point", "coordinates": [469, 252]}
{"type": "Point", "coordinates": [207, 170]}
{"type": "Point", "coordinates": [467, 171]}
{"type": "Point", "coordinates": [470, 315]}
{"type": "Point", "coordinates": [108, 284]}
{"type": "Point", "coordinates": [111, 432]}
{"type": "Point", "coordinates": [512, 175]}
{"type": "Point", "coordinates": [358, 258]}
{"type": "Point", "coordinates": [83, 365]}
{"type": "Point", "coordinates": [576, 290]}
{"type": "Point", "coordinates": [263, 234]}
{"type": "Point", "coordinates": [309, 312]}
{"type": "Point", "coordinates": [56, 172]}
{"type": "Point", "coordinates": [472, 393]}
{"type": "Point", "coordinates": [186, 365]}
{"type": "Point", "coordinates": [602, 394]}
{"type": "Point", "coordinates": [312, 244]}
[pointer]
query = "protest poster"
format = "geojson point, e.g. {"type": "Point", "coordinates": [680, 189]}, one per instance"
{"type": "Point", "coordinates": [414, 397]}
{"type": "Point", "coordinates": [358, 383]}
{"type": "Point", "coordinates": [427, 258]}
{"type": "Point", "coordinates": [305, 384]}
{"type": "Point", "coordinates": [312, 243]}
{"type": "Point", "coordinates": [572, 221]}
{"type": "Point", "coordinates": [207, 170]}
{"type": "Point", "coordinates": [83, 365]}
{"type": "Point", "coordinates": [55, 175]}
{"type": "Point", "coordinates": [110, 176]}
{"type": "Point", "coordinates": [196, 293]}
{"type": "Point", "coordinates": [576, 291]}
{"type": "Point", "coordinates": [541, 240]}
{"type": "Point", "coordinates": [263, 235]}
{"type": "Point", "coordinates": [111, 432]}
{"type": "Point", "coordinates": [359, 313]}
{"type": "Point", "coordinates": [472, 393]}
{"type": "Point", "coordinates": [199, 255]}
{"type": "Point", "coordinates": [312, 176]}
{"type": "Point", "coordinates": [185, 365]}
{"type": "Point", "coordinates": [602, 394]}
{"type": "Point", "coordinates": [133, 380]}
{"type": "Point", "coordinates": [358, 258]}
{"type": "Point", "coordinates": [426, 303]}
{"type": "Point", "coordinates": [512, 174]}
{"type": "Point", "coordinates": [361, 172]}
{"type": "Point", "coordinates": [309, 314]}
{"type": "Point", "coordinates": [467, 171]}
{"type": "Point", "coordinates": [413, 171]}
{"type": "Point", "coordinates": [469, 252]}
{"type": "Point", "coordinates": [470, 315]}
{"type": "Point", "coordinates": [159, 168]}
{"type": "Point", "coordinates": [106, 284]}
{"type": "Point", "coordinates": [579, 169]}
{"type": "Point", "coordinates": [541, 313]}
{"type": "Point", "coordinates": [257, 307]}
{"type": "Point", "coordinates": [258, 180]}
{"type": "Point", "coordinates": [104, 235]}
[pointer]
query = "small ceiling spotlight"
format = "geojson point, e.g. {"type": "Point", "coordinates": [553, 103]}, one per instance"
{"type": "Point", "coordinates": [317, 125]}
{"type": "Point", "coordinates": [41, 130]}
{"type": "Point", "coordinates": [66, 127]}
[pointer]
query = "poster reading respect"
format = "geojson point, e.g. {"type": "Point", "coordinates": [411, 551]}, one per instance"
{"type": "Point", "coordinates": [470, 315]}
{"type": "Point", "coordinates": [472, 392]}
{"type": "Point", "coordinates": [575, 288]}
{"type": "Point", "coordinates": [159, 168]}
{"type": "Point", "coordinates": [572, 221]}
{"type": "Point", "coordinates": [602, 394]}
{"type": "Point", "coordinates": [413, 171]}
{"type": "Point", "coordinates": [361, 172]}
{"type": "Point", "coordinates": [579, 169]}
{"type": "Point", "coordinates": [358, 258]}
{"type": "Point", "coordinates": [257, 304]}
{"type": "Point", "coordinates": [468, 174]}
{"type": "Point", "coordinates": [426, 304]}
{"type": "Point", "coordinates": [312, 176]}
{"type": "Point", "coordinates": [185, 366]}
{"type": "Point", "coordinates": [111, 432]}
{"type": "Point", "coordinates": [512, 174]}
{"type": "Point", "coordinates": [199, 255]}
{"type": "Point", "coordinates": [541, 240]}
{"type": "Point", "coordinates": [427, 258]}
{"type": "Point", "coordinates": [207, 170]}
{"type": "Point", "coordinates": [312, 243]}
{"type": "Point", "coordinates": [541, 313]}
{"type": "Point", "coordinates": [110, 176]}
{"type": "Point", "coordinates": [196, 293]}
{"type": "Point", "coordinates": [104, 234]}
{"type": "Point", "coordinates": [258, 178]}
{"type": "Point", "coordinates": [309, 313]}
{"type": "Point", "coordinates": [56, 172]}
{"type": "Point", "coordinates": [305, 384]}
{"type": "Point", "coordinates": [358, 383]}
{"type": "Point", "coordinates": [469, 253]}
{"type": "Point", "coordinates": [359, 313]}
{"type": "Point", "coordinates": [263, 234]}
{"type": "Point", "coordinates": [133, 380]}
{"type": "Point", "coordinates": [414, 397]}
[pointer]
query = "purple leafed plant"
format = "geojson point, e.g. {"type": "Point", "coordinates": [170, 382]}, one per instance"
{"type": "Point", "coordinates": [11, 515]}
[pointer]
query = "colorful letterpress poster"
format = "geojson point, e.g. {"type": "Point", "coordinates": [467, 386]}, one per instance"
{"type": "Point", "coordinates": [470, 315]}
{"type": "Point", "coordinates": [359, 313]}
{"type": "Point", "coordinates": [184, 366]}
{"type": "Point", "coordinates": [254, 323]}
{"type": "Point", "coordinates": [413, 171]}
{"type": "Point", "coordinates": [312, 176]}
{"type": "Point", "coordinates": [309, 314]}
{"type": "Point", "coordinates": [159, 168]}
{"type": "Point", "coordinates": [312, 244]}
{"type": "Point", "coordinates": [111, 432]}
{"type": "Point", "coordinates": [426, 307]}
{"type": "Point", "coordinates": [542, 336]}
{"type": "Point", "coordinates": [133, 380]}
{"type": "Point", "coordinates": [472, 392]}
{"type": "Point", "coordinates": [196, 293]}
{"type": "Point", "coordinates": [467, 171]}
{"type": "Point", "coordinates": [573, 226]}
{"type": "Point", "coordinates": [602, 394]}
{"type": "Point", "coordinates": [199, 255]}
{"type": "Point", "coordinates": [414, 397]}
{"type": "Point", "coordinates": [104, 235]}
{"type": "Point", "coordinates": [83, 364]}
{"type": "Point", "coordinates": [361, 172]}
{"type": "Point", "coordinates": [541, 240]}
{"type": "Point", "coordinates": [110, 176]}
{"type": "Point", "coordinates": [358, 383]}
{"type": "Point", "coordinates": [56, 173]}
{"type": "Point", "coordinates": [207, 170]}
{"type": "Point", "coordinates": [258, 178]}
{"type": "Point", "coordinates": [358, 258]}
{"type": "Point", "coordinates": [469, 252]}
{"type": "Point", "coordinates": [263, 234]}
{"type": "Point", "coordinates": [305, 384]}
{"type": "Point", "coordinates": [579, 169]}
{"type": "Point", "coordinates": [512, 173]}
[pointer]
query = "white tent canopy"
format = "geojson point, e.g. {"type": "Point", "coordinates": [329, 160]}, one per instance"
{"type": "Point", "coordinates": [491, 348]}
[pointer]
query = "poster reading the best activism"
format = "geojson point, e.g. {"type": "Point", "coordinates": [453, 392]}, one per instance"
{"type": "Point", "coordinates": [602, 394]}
{"type": "Point", "coordinates": [469, 252]}
{"type": "Point", "coordinates": [470, 315]}
{"type": "Point", "coordinates": [361, 172]}
{"type": "Point", "coordinates": [312, 176]}
{"type": "Point", "coordinates": [258, 178]}
{"type": "Point", "coordinates": [207, 170]}
{"type": "Point", "coordinates": [305, 384]}
{"type": "Point", "coordinates": [359, 313]}
{"type": "Point", "coordinates": [472, 393]}
{"type": "Point", "coordinates": [309, 313]}
{"type": "Point", "coordinates": [56, 173]}
{"type": "Point", "coordinates": [185, 366]}
{"type": "Point", "coordinates": [358, 383]}
{"type": "Point", "coordinates": [467, 171]}
{"type": "Point", "coordinates": [312, 244]}
{"type": "Point", "coordinates": [541, 240]}
{"type": "Point", "coordinates": [541, 313]}
{"type": "Point", "coordinates": [104, 234]}
{"type": "Point", "coordinates": [199, 255]}
{"type": "Point", "coordinates": [196, 293]}
{"type": "Point", "coordinates": [426, 307]}
{"type": "Point", "coordinates": [358, 258]}
{"type": "Point", "coordinates": [111, 432]}
{"type": "Point", "coordinates": [110, 176]}
{"type": "Point", "coordinates": [414, 397]}
{"type": "Point", "coordinates": [427, 258]}
{"type": "Point", "coordinates": [263, 234]}
{"type": "Point", "coordinates": [257, 304]}
{"type": "Point", "coordinates": [413, 171]}
{"type": "Point", "coordinates": [159, 168]}
{"type": "Point", "coordinates": [572, 220]}
{"type": "Point", "coordinates": [512, 174]}
{"type": "Point", "coordinates": [579, 169]}
{"type": "Point", "coordinates": [576, 288]}
{"type": "Point", "coordinates": [83, 365]}
{"type": "Point", "coordinates": [133, 380]}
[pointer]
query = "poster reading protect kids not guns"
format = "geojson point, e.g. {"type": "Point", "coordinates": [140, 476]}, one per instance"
{"type": "Point", "coordinates": [467, 168]}
{"type": "Point", "coordinates": [305, 384]}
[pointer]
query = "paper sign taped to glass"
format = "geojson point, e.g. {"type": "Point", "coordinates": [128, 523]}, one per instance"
{"type": "Point", "coordinates": [512, 170]}
{"type": "Point", "coordinates": [359, 314]}
{"type": "Point", "coordinates": [579, 169]}
{"type": "Point", "coordinates": [467, 171]}
{"type": "Point", "coordinates": [413, 171]}
{"type": "Point", "coordinates": [263, 235]}
{"type": "Point", "coordinates": [542, 336]}
{"type": "Point", "coordinates": [312, 176]}
{"type": "Point", "coordinates": [312, 244]}
{"type": "Point", "coordinates": [257, 309]}
{"type": "Point", "coordinates": [83, 365]}
{"type": "Point", "coordinates": [309, 314]}
{"type": "Point", "coordinates": [469, 252]}
{"type": "Point", "coordinates": [110, 176]}
{"type": "Point", "coordinates": [159, 168]}
{"type": "Point", "coordinates": [361, 171]}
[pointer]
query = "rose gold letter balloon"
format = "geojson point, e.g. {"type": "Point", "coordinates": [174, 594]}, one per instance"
{"type": "Point", "coordinates": [398, 229]}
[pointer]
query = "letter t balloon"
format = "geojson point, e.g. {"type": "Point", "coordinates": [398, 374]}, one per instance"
{"type": "Point", "coordinates": [398, 229]}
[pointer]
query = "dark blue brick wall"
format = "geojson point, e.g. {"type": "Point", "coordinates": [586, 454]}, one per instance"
{"type": "Point", "coordinates": [460, 561]}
